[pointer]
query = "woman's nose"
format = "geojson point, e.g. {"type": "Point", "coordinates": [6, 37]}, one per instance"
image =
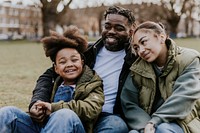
{"type": "Point", "coordinates": [142, 49]}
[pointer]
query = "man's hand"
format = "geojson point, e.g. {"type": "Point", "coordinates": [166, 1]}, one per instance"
{"type": "Point", "coordinates": [149, 128]}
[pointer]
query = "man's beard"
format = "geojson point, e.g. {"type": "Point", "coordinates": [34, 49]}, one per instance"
{"type": "Point", "coordinates": [116, 45]}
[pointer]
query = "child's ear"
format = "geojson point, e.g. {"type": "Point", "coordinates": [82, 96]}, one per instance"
{"type": "Point", "coordinates": [55, 68]}
{"type": "Point", "coordinates": [82, 61]}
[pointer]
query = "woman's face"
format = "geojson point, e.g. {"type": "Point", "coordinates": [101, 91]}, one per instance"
{"type": "Point", "coordinates": [148, 45]}
{"type": "Point", "coordinates": [69, 65]}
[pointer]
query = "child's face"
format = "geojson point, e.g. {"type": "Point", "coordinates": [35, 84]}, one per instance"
{"type": "Point", "coordinates": [68, 65]}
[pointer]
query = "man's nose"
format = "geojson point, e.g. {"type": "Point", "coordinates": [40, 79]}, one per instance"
{"type": "Point", "coordinates": [112, 30]}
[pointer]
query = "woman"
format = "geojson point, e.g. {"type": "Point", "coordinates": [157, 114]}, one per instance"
{"type": "Point", "coordinates": [163, 85]}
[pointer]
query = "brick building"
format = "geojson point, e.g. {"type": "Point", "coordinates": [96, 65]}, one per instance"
{"type": "Point", "coordinates": [20, 21]}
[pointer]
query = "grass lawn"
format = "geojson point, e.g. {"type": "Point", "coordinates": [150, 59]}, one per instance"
{"type": "Point", "coordinates": [22, 62]}
{"type": "Point", "coordinates": [189, 42]}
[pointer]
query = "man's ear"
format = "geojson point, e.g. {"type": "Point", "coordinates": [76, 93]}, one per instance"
{"type": "Point", "coordinates": [130, 33]}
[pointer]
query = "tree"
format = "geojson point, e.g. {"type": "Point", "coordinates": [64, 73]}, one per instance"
{"type": "Point", "coordinates": [51, 15]}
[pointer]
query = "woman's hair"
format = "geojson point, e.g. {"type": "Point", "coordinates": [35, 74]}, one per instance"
{"type": "Point", "coordinates": [158, 28]}
{"type": "Point", "coordinates": [71, 38]}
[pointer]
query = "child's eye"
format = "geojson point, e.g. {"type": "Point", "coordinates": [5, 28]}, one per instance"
{"type": "Point", "coordinates": [75, 60]}
{"type": "Point", "coordinates": [61, 62]}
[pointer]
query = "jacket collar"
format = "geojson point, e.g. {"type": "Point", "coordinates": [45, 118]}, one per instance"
{"type": "Point", "coordinates": [145, 69]}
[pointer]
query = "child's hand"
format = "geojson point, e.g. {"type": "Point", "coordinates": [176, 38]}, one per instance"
{"type": "Point", "coordinates": [45, 106]}
{"type": "Point", "coordinates": [37, 113]}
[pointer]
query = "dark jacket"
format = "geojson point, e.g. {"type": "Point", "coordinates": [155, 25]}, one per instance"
{"type": "Point", "coordinates": [45, 82]}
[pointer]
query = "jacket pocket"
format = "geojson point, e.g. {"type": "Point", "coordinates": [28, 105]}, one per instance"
{"type": "Point", "coordinates": [194, 125]}
{"type": "Point", "coordinates": [191, 124]}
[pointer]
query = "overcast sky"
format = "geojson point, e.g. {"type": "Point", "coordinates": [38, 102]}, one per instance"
{"type": "Point", "coordinates": [82, 3]}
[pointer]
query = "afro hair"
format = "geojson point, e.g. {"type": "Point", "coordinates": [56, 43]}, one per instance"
{"type": "Point", "coordinates": [71, 38]}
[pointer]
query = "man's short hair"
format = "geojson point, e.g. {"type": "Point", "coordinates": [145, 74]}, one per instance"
{"type": "Point", "coordinates": [121, 11]}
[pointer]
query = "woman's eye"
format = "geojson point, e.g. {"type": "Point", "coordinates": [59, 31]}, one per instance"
{"type": "Point", "coordinates": [143, 42]}
{"type": "Point", "coordinates": [136, 48]}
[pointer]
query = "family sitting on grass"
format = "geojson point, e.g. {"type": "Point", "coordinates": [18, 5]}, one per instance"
{"type": "Point", "coordinates": [134, 79]}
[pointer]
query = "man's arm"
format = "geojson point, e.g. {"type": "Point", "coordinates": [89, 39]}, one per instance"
{"type": "Point", "coordinates": [44, 86]}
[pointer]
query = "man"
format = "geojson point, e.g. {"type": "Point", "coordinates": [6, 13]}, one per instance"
{"type": "Point", "coordinates": [111, 58]}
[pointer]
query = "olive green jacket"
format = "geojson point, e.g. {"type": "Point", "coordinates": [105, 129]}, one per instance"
{"type": "Point", "coordinates": [179, 85]}
{"type": "Point", "coordinates": [88, 98]}
{"type": "Point", "coordinates": [191, 124]}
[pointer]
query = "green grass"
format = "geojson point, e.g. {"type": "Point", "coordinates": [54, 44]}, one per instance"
{"type": "Point", "coordinates": [193, 43]}
{"type": "Point", "coordinates": [22, 62]}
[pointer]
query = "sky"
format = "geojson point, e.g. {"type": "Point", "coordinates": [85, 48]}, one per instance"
{"type": "Point", "coordinates": [74, 4]}
{"type": "Point", "coordinates": [81, 3]}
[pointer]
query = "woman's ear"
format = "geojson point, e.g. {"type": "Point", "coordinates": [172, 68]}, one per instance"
{"type": "Point", "coordinates": [163, 38]}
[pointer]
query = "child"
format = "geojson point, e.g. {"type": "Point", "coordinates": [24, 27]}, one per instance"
{"type": "Point", "coordinates": [77, 91]}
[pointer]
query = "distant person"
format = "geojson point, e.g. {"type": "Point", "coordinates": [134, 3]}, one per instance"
{"type": "Point", "coordinates": [75, 100]}
{"type": "Point", "coordinates": [111, 58]}
{"type": "Point", "coordinates": [163, 85]}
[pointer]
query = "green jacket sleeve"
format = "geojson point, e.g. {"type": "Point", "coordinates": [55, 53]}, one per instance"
{"type": "Point", "coordinates": [135, 116]}
{"type": "Point", "coordinates": [87, 109]}
{"type": "Point", "coordinates": [185, 93]}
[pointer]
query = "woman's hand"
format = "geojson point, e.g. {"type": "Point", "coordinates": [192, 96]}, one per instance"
{"type": "Point", "coordinates": [149, 128]}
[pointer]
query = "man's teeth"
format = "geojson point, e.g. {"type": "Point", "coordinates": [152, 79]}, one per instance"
{"type": "Point", "coordinates": [111, 39]}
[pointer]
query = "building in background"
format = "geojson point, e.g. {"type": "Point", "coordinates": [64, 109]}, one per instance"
{"type": "Point", "coordinates": [19, 21]}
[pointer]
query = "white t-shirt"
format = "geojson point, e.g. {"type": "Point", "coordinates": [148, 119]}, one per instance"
{"type": "Point", "coordinates": [108, 66]}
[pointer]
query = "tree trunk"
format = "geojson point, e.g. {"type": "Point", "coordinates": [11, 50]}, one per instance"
{"type": "Point", "coordinates": [51, 17]}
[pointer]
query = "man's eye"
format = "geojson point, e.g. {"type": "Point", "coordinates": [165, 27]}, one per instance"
{"type": "Point", "coordinates": [119, 28]}
{"type": "Point", "coordinates": [107, 26]}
